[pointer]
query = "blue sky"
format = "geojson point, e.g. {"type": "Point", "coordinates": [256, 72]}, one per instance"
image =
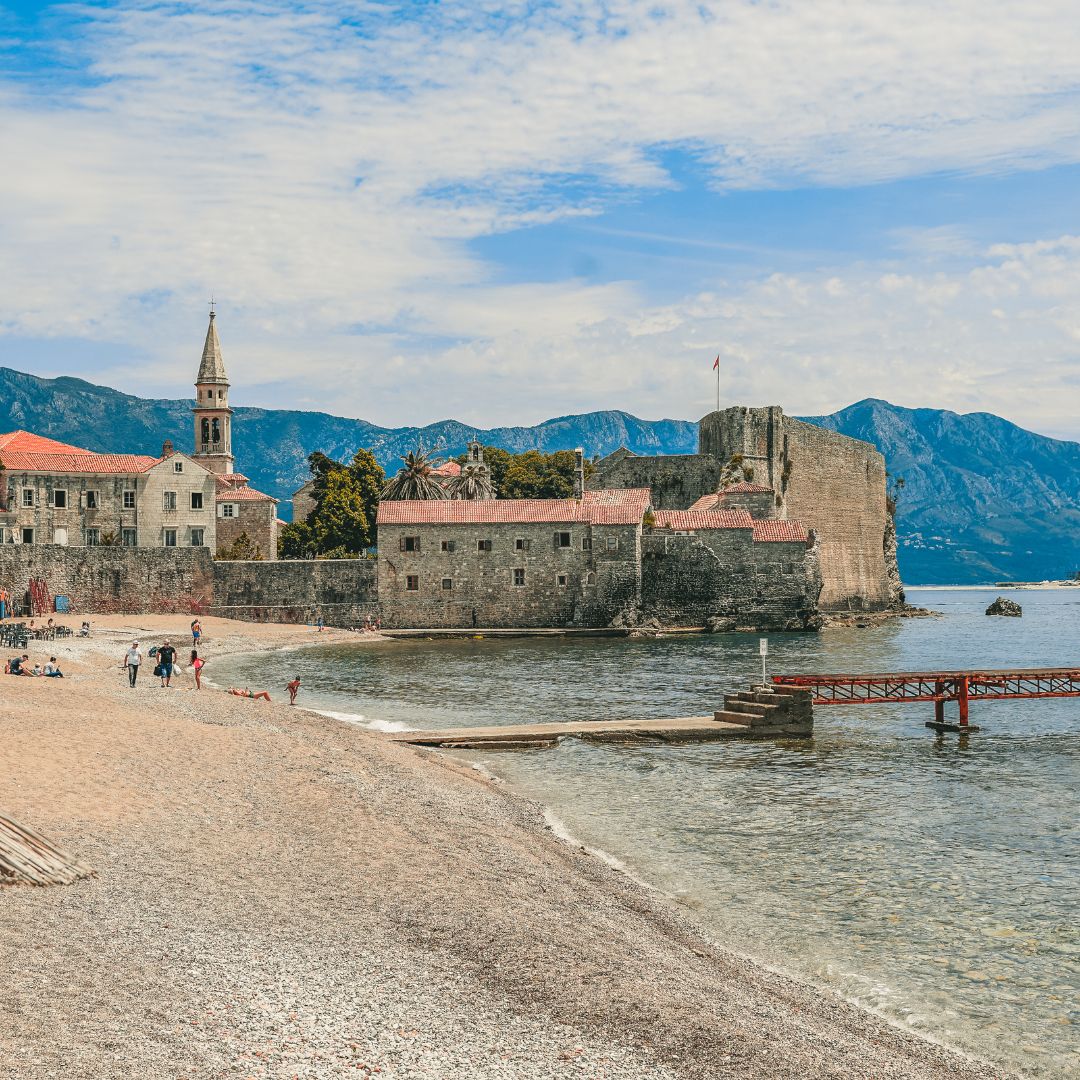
{"type": "Point", "coordinates": [508, 211]}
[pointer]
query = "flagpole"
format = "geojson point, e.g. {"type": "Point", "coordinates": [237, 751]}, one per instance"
{"type": "Point", "coordinates": [717, 366]}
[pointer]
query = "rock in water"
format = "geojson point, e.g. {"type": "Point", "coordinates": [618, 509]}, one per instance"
{"type": "Point", "coordinates": [1001, 606]}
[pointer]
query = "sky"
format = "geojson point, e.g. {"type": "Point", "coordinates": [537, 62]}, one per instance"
{"type": "Point", "coordinates": [502, 212]}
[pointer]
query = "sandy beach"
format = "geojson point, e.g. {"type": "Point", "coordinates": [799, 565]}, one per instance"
{"type": "Point", "coordinates": [280, 895]}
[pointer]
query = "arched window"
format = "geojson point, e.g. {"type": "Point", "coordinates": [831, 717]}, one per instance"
{"type": "Point", "coordinates": [205, 430]}
{"type": "Point", "coordinates": [215, 428]}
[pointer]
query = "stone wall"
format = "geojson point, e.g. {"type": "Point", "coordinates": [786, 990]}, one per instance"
{"type": "Point", "coordinates": [676, 480]}
{"type": "Point", "coordinates": [833, 484]}
{"type": "Point", "coordinates": [255, 518]}
{"type": "Point", "coordinates": [722, 579]}
{"type": "Point", "coordinates": [584, 584]}
{"type": "Point", "coordinates": [112, 579]}
{"type": "Point", "coordinates": [342, 591]}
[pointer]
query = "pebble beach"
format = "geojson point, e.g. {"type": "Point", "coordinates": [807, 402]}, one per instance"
{"type": "Point", "coordinates": [281, 895]}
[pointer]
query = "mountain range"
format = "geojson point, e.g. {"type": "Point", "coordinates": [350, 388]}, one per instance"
{"type": "Point", "coordinates": [982, 499]}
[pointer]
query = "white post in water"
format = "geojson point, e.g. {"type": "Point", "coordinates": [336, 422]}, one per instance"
{"type": "Point", "coordinates": [763, 648]}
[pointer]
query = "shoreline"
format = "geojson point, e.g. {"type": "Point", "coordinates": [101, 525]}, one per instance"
{"type": "Point", "coordinates": [421, 892]}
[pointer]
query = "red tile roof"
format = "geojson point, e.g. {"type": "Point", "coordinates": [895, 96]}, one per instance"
{"type": "Point", "coordinates": [684, 520]}
{"type": "Point", "coordinates": [447, 468]}
{"type": "Point", "coordinates": [743, 488]}
{"type": "Point", "coordinates": [614, 506]}
{"type": "Point", "coordinates": [706, 502]}
{"type": "Point", "coordinates": [479, 511]}
{"type": "Point", "coordinates": [30, 443]}
{"type": "Point", "coordinates": [780, 532]}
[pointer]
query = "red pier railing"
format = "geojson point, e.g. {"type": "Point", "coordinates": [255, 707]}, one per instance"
{"type": "Point", "coordinates": [938, 687]}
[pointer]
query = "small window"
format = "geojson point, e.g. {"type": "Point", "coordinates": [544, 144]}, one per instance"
{"type": "Point", "coordinates": [562, 539]}
{"type": "Point", "coordinates": [169, 503]}
{"type": "Point", "coordinates": [586, 543]}
{"type": "Point", "coordinates": [412, 583]}
{"type": "Point", "coordinates": [129, 500]}
{"type": "Point", "coordinates": [59, 499]}
{"type": "Point", "coordinates": [27, 498]}
{"type": "Point", "coordinates": [178, 466]}
{"type": "Point", "coordinates": [613, 543]}
{"type": "Point", "coordinates": [228, 510]}
{"type": "Point", "coordinates": [196, 537]}
{"type": "Point", "coordinates": [91, 500]}
{"type": "Point", "coordinates": [590, 578]}
{"type": "Point", "coordinates": [220, 393]}
{"type": "Point", "coordinates": [170, 538]}
{"type": "Point", "coordinates": [128, 537]}
{"type": "Point", "coordinates": [561, 581]}
{"type": "Point", "coordinates": [449, 546]}
{"type": "Point", "coordinates": [410, 543]}
{"type": "Point", "coordinates": [447, 584]}
{"type": "Point", "coordinates": [519, 576]}
{"type": "Point", "coordinates": [93, 537]}
{"type": "Point", "coordinates": [196, 500]}
{"type": "Point", "coordinates": [28, 536]}
{"type": "Point", "coordinates": [521, 544]}
{"type": "Point", "coordinates": [483, 545]}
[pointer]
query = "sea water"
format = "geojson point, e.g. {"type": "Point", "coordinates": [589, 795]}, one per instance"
{"type": "Point", "coordinates": [932, 878]}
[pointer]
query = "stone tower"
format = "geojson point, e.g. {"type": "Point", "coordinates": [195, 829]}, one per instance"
{"type": "Point", "coordinates": [213, 417]}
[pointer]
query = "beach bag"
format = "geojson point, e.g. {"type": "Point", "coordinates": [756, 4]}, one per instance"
{"type": "Point", "coordinates": [157, 670]}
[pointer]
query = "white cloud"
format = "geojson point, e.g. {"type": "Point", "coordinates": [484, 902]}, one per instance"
{"type": "Point", "coordinates": [321, 167]}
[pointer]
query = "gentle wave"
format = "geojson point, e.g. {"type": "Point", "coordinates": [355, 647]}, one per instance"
{"type": "Point", "coordinates": [374, 723]}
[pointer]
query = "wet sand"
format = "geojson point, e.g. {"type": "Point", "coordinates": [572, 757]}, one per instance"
{"type": "Point", "coordinates": [285, 895]}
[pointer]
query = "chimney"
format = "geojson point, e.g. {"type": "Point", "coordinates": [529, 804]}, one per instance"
{"type": "Point", "coordinates": [579, 473]}
{"type": "Point", "coordinates": [167, 448]}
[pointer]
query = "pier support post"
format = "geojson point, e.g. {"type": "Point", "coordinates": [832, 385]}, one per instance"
{"type": "Point", "coordinates": [964, 701]}
{"type": "Point", "coordinates": [939, 702]}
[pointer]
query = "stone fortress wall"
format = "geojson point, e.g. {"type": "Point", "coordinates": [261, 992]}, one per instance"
{"type": "Point", "coordinates": [833, 484]}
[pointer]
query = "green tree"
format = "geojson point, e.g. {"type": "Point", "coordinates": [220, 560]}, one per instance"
{"type": "Point", "coordinates": [346, 505]}
{"type": "Point", "coordinates": [296, 541]}
{"type": "Point", "coordinates": [536, 475]}
{"type": "Point", "coordinates": [415, 479]}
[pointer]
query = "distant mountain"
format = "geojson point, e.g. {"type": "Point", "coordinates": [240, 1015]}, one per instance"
{"type": "Point", "coordinates": [983, 500]}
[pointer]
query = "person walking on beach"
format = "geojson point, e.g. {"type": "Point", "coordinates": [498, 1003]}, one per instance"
{"type": "Point", "coordinates": [132, 660]}
{"type": "Point", "coordinates": [292, 688]}
{"type": "Point", "coordinates": [166, 657]}
{"type": "Point", "coordinates": [197, 664]}
{"type": "Point", "coordinates": [196, 633]}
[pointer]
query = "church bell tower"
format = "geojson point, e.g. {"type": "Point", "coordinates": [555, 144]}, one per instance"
{"type": "Point", "coordinates": [213, 417]}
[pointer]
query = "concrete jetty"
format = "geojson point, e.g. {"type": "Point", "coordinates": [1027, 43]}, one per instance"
{"type": "Point", "coordinates": [755, 714]}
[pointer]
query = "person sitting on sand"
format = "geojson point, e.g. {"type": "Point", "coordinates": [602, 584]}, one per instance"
{"type": "Point", "coordinates": [292, 688]}
{"type": "Point", "coordinates": [15, 665]}
{"type": "Point", "coordinates": [52, 669]}
{"type": "Point", "coordinates": [262, 694]}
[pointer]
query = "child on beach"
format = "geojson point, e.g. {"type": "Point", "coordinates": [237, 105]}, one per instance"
{"type": "Point", "coordinates": [293, 687]}
{"type": "Point", "coordinates": [197, 664]}
{"type": "Point", "coordinates": [249, 694]}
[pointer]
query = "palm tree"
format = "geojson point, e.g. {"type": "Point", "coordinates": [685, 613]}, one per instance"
{"type": "Point", "coordinates": [414, 479]}
{"type": "Point", "coordinates": [472, 483]}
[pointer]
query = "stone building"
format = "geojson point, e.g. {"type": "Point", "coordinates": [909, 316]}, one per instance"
{"type": "Point", "coordinates": [750, 458]}
{"type": "Point", "coordinates": [55, 493]}
{"type": "Point", "coordinates": [601, 559]}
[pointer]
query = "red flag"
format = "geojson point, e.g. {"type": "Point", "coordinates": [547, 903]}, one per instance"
{"type": "Point", "coordinates": [716, 363]}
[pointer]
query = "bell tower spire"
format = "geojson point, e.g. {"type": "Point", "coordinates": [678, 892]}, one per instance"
{"type": "Point", "coordinates": [213, 417]}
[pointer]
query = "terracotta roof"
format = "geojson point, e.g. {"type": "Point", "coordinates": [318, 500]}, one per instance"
{"type": "Point", "coordinates": [685, 520]}
{"type": "Point", "coordinates": [231, 478]}
{"type": "Point", "coordinates": [743, 488]}
{"type": "Point", "coordinates": [30, 443]}
{"type": "Point", "coordinates": [706, 502]}
{"type": "Point", "coordinates": [227, 494]}
{"type": "Point", "coordinates": [447, 468]}
{"type": "Point", "coordinates": [479, 511]}
{"type": "Point", "coordinates": [616, 506]}
{"type": "Point", "coordinates": [81, 462]}
{"type": "Point", "coordinates": [779, 532]}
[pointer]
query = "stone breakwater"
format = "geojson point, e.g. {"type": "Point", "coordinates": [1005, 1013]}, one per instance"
{"type": "Point", "coordinates": [280, 894]}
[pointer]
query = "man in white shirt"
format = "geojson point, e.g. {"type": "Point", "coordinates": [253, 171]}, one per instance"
{"type": "Point", "coordinates": [132, 660]}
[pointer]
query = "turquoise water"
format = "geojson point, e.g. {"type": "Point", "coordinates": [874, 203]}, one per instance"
{"type": "Point", "coordinates": [931, 878]}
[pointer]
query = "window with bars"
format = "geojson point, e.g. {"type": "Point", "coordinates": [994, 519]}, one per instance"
{"type": "Point", "coordinates": [168, 502]}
